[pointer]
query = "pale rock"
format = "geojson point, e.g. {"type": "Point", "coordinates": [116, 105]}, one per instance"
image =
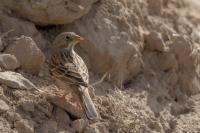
{"type": "Point", "coordinates": [91, 130]}
{"type": "Point", "coordinates": [3, 106]}
{"type": "Point", "coordinates": [15, 80]}
{"type": "Point", "coordinates": [27, 105]}
{"type": "Point", "coordinates": [171, 78]}
{"type": "Point", "coordinates": [96, 128]}
{"type": "Point", "coordinates": [79, 125]}
{"type": "Point", "coordinates": [62, 117]}
{"type": "Point", "coordinates": [4, 125]}
{"type": "Point", "coordinates": [49, 127]}
{"type": "Point", "coordinates": [167, 61]}
{"type": "Point", "coordinates": [155, 6]}
{"type": "Point", "coordinates": [21, 27]}
{"type": "Point", "coordinates": [13, 116]}
{"type": "Point", "coordinates": [1, 45]}
{"type": "Point", "coordinates": [45, 107]}
{"type": "Point", "coordinates": [155, 126]}
{"type": "Point", "coordinates": [189, 82]}
{"type": "Point", "coordinates": [69, 130]}
{"type": "Point", "coordinates": [28, 54]}
{"type": "Point", "coordinates": [9, 62]}
{"type": "Point", "coordinates": [178, 109]}
{"type": "Point", "coordinates": [14, 131]}
{"type": "Point", "coordinates": [154, 41]}
{"type": "Point", "coordinates": [48, 11]}
{"type": "Point", "coordinates": [183, 48]}
{"type": "Point", "coordinates": [102, 128]}
{"type": "Point", "coordinates": [187, 57]}
{"type": "Point", "coordinates": [24, 126]}
{"type": "Point", "coordinates": [63, 132]}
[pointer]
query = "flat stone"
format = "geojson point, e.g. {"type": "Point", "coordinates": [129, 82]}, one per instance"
{"type": "Point", "coordinates": [49, 127]}
{"type": "Point", "coordinates": [1, 44]}
{"type": "Point", "coordinates": [3, 106]}
{"type": "Point", "coordinates": [47, 12]}
{"type": "Point", "coordinates": [96, 128]}
{"type": "Point", "coordinates": [62, 117]}
{"type": "Point", "coordinates": [91, 130]}
{"type": "Point", "coordinates": [9, 62]}
{"type": "Point", "coordinates": [28, 54]}
{"type": "Point", "coordinates": [167, 61]}
{"type": "Point", "coordinates": [20, 27]}
{"type": "Point", "coordinates": [79, 125]}
{"type": "Point", "coordinates": [15, 80]}
{"type": "Point", "coordinates": [154, 41]}
{"type": "Point", "coordinates": [24, 126]}
{"type": "Point", "coordinates": [13, 116]}
{"type": "Point", "coordinates": [28, 106]}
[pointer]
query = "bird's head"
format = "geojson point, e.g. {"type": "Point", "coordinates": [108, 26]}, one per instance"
{"type": "Point", "coordinates": [67, 40]}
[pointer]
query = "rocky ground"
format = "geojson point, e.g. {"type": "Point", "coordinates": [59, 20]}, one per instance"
{"type": "Point", "coordinates": [148, 48]}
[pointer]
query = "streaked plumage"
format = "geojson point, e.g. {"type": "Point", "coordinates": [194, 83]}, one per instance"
{"type": "Point", "coordinates": [67, 66]}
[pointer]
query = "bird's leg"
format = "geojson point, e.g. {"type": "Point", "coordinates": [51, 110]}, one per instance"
{"type": "Point", "coordinates": [100, 81]}
{"type": "Point", "coordinates": [91, 86]}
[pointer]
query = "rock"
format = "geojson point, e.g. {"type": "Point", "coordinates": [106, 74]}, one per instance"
{"type": "Point", "coordinates": [28, 54]}
{"type": "Point", "coordinates": [155, 6]}
{"type": "Point", "coordinates": [102, 128]}
{"type": "Point", "coordinates": [183, 48]}
{"type": "Point", "coordinates": [22, 27]}
{"type": "Point", "coordinates": [4, 125]}
{"type": "Point", "coordinates": [69, 130]}
{"type": "Point", "coordinates": [178, 109]}
{"type": "Point", "coordinates": [43, 107]}
{"type": "Point", "coordinates": [155, 126]}
{"type": "Point", "coordinates": [154, 41]}
{"type": "Point", "coordinates": [63, 132]}
{"type": "Point", "coordinates": [171, 78]}
{"type": "Point", "coordinates": [79, 125]}
{"type": "Point", "coordinates": [3, 106]}
{"type": "Point", "coordinates": [62, 117]}
{"type": "Point", "coordinates": [15, 80]}
{"type": "Point", "coordinates": [49, 127]}
{"type": "Point", "coordinates": [91, 130]}
{"type": "Point", "coordinates": [167, 61]}
{"type": "Point", "coordinates": [24, 126]}
{"type": "Point", "coordinates": [27, 105]}
{"type": "Point", "coordinates": [9, 62]}
{"type": "Point", "coordinates": [1, 45]}
{"type": "Point", "coordinates": [13, 116]}
{"type": "Point", "coordinates": [187, 55]}
{"type": "Point", "coordinates": [14, 131]}
{"type": "Point", "coordinates": [50, 12]}
{"type": "Point", "coordinates": [189, 82]}
{"type": "Point", "coordinates": [114, 40]}
{"type": "Point", "coordinates": [96, 128]}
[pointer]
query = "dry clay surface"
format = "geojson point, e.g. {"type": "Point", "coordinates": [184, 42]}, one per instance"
{"type": "Point", "coordinates": [148, 48]}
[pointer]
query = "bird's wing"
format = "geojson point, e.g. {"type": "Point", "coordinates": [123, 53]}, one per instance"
{"type": "Point", "coordinates": [65, 67]}
{"type": "Point", "coordinates": [82, 68]}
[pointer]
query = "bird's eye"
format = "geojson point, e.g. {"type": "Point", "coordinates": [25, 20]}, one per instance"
{"type": "Point", "coordinates": [67, 37]}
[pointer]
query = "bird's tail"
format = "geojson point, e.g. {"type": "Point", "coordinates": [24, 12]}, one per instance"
{"type": "Point", "coordinates": [88, 104]}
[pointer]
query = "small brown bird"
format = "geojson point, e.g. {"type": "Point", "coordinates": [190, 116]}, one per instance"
{"type": "Point", "coordinates": [70, 71]}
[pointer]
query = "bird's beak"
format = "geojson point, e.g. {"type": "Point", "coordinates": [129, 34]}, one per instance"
{"type": "Point", "coordinates": [78, 38]}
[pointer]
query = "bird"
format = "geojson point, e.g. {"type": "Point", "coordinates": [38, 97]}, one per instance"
{"type": "Point", "coordinates": [70, 71]}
